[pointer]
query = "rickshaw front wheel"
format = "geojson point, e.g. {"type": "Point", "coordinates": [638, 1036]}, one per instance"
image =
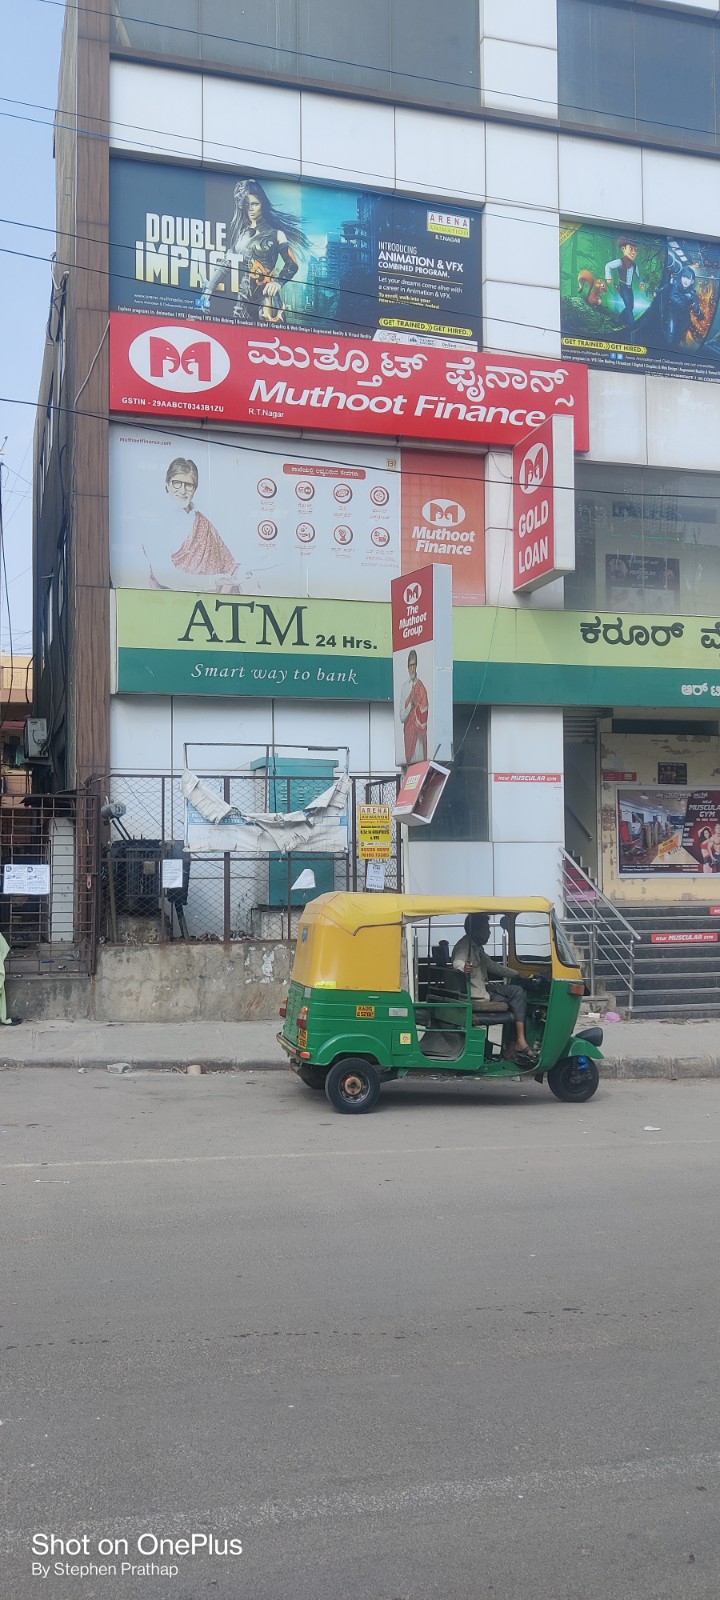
{"type": "Point", "coordinates": [352, 1085]}
{"type": "Point", "coordinates": [576, 1078]}
{"type": "Point", "coordinates": [313, 1077]}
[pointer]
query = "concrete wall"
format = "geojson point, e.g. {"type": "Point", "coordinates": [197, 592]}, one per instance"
{"type": "Point", "coordinates": [164, 983]}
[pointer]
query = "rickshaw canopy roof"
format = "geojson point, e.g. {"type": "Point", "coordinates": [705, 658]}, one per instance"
{"type": "Point", "coordinates": [351, 912]}
{"type": "Point", "coordinates": [354, 941]}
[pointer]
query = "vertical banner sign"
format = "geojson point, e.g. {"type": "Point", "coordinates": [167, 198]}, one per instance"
{"type": "Point", "coordinates": [422, 665]}
{"type": "Point", "coordinates": [543, 505]}
{"type": "Point", "coordinates": [375, 833]}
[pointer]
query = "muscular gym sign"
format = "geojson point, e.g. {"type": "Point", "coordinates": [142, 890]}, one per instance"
{"type": "Point", "coordinates": [543, 505]}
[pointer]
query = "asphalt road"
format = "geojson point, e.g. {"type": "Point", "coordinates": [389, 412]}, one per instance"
{"type": "Point", "coordinates": [464, 1348]}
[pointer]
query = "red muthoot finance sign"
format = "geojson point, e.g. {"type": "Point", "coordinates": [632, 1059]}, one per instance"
{"type": "Point", "coordinates": [298, 380]}
{"type": "Point", "coordinates": [544, 505]}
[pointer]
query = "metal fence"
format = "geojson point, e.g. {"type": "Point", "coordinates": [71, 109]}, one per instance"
{"type": "Point", "coordinates": [223, 896]}
{"type": "Point", "coordinates": [49, 908]}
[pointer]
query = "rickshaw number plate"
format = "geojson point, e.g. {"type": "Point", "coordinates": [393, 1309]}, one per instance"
{"type": "Point", "coordinates": [364, 1011]}
{"type": "Point", "coordinates": [302, 1038]}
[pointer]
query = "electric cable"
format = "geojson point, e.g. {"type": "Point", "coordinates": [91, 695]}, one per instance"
{"type": "Point", "coordinates": [455, 450]}
{"type": "Point", "coordinates": [207, 324]}
{"type": "Point", "coordinates": [148, 22]}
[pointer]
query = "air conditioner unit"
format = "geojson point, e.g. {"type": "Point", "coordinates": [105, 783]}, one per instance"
{"type": "Point", "coordinates": [35, 736]}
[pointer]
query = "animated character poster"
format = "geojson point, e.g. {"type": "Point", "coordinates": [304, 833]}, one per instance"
{"type": "Point", "coordinates": [277, 252]}
{"type": "Point", "coordinates": [639, 301]}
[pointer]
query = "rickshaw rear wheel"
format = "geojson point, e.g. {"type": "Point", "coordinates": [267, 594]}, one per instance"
{"type": "Point", "coordinates": [352, 1085]}
{"type": "Point", "coordinates": [570, 1081]}
{"type": "Point", "coordinates": [313, 1077]}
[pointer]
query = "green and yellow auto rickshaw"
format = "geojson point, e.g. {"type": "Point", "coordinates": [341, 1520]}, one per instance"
{"type": "Point", "coordinates": [375, 994]}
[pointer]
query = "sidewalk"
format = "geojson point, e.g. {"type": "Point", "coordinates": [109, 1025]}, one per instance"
{"type": "Point", "coordinates": [631, 1049]}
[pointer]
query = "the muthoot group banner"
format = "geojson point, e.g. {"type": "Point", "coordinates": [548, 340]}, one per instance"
{"type": "Point", "coordinates": [237, 645]}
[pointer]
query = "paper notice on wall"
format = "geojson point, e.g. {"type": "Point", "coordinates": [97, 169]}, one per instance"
{"type": "Point", "coordinates": [375, 875]}
{"type": "Point", "coordinates": [172, 874]}
{"type": "Point", "coordinates": [26, 878]}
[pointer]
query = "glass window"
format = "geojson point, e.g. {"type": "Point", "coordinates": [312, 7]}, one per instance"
{"type": "Point", "coordinates": [250, 33]}
{"type": "Point", "coordinates": [596, 59]}
{"type": "Point", "coordinates": [435, 51]}
{"type": "Point", "coordinates": [358, 38]}
{"type": "Point", "coordinates": [162, 27]}
{"type": "Point", "coordinates": [651, 71]}
{"type": "Point", "coordinates": [463, 810]}
{"type": "Point", "coordinates": [646, 541]}
{"type": "Point", "coordinates": [393, 47]}
{"type": "Point", "coordinates": [674, 76]}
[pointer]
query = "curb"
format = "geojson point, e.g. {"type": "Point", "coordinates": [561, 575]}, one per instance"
{"type": "Point", "coordinates": [145, 1064]}
{"type": "Point", "coordinates": [671, 1069]}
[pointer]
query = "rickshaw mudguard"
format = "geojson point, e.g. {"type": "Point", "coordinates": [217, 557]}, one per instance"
{"type": "Point", "coordinates": [354, 1044]}
{"type": "Point", "coordinates": [582, 1047]}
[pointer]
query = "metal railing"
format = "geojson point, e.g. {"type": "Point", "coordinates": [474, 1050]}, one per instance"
{"type": "Point", "coordinates": [600, 933]}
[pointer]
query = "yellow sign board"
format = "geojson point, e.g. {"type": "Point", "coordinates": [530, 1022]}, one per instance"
{"type": "Point", "coordinates": [375, 833]}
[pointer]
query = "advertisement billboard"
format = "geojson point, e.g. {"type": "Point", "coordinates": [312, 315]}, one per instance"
{"type": "Point", "coordinates": [640, 302]}
{"type": "Point", "coordinates": [668, 831]}
{"type": "Point", "coordinates": [232, 516]}
{"type": "Point", "coordinates": [224, 373]}
{"type": "Point", "coordinates": [422, 645]}
{"type": "Point", "coordinates": [192, 245]}
{"type": "Point", "coordinates": [543, 475]}
{"type": "Point", "coordinates": [237, 645]}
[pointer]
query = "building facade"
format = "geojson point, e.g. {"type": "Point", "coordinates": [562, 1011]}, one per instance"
{"type": "Point", "coordinates": [319, 268]}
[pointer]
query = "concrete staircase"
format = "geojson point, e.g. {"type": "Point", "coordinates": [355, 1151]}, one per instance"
{"type": "Point", "coordinates": [671, 980]}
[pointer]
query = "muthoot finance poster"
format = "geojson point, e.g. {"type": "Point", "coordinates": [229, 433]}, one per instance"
{"type": "Point", "coordinates": [209, 514]}
{"type": "Point", "coordinates": [284, 253]}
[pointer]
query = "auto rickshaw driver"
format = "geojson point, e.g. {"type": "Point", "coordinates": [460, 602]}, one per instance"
{"type": "Point", "coordinates": [487, 981]}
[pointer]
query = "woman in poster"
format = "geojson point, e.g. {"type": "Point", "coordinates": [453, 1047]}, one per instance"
{"type": "Point", "coordinates": [259, 238]}
{"type": "Point", "coordinates": [414, 710]}
{"type": "Point", "coordinates": [202, 559]}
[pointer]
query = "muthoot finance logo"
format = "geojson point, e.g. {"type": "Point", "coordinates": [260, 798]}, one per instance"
{"type": "Point", "coordinates": [443, 513]}
{"type": "Point", "coordinates": [179, 360]}
{"type": "Point", "coordinates": [441, 529]}
{"type": "Point", "coordinates": [533, 468]}
{"type": "Point", "coordinates": [412, 594]}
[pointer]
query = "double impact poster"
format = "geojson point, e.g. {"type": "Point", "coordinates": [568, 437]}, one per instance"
{"type": "Point", "coordinates": [276, 252]}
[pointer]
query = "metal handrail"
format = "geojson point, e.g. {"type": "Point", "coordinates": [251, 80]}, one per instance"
{"type": "Point", "coordinates": [609, 935]}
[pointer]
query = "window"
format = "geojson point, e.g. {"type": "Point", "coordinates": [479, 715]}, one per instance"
{"type": "Point", "coordinates": [163, 27]}
{"type": "Point", "coordinates": [647, 541]}
{"type": "Point", "coordinates": [462, 814]}
{"type": "Point", "coordinates": [640, 69]}
{"type": "Point", "coordinates": [396, 48]}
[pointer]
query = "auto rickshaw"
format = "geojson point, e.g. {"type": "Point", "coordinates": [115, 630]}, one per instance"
{"type": "Point", "coordinates": [374, 995]}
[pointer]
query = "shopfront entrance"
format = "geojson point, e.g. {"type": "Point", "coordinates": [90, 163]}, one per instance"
{"type": "Point", "coordinates": [659, 784]}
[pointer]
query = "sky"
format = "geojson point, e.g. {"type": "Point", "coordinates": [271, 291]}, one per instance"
{"type": "Point", "coordinates": [31, 40]}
